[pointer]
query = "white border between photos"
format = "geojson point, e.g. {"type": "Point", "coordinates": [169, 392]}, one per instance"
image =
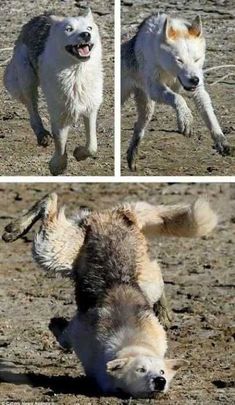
{"type": "Point", "coordinates": [112, 179]}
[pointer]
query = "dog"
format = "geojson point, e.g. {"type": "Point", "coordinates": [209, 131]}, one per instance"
{"type": "Point", "coordinates": [64, 56]}
{"type": "Point", "coordinates": [116, 334]}
{"type": "Point", "coordinates": [166, 55]}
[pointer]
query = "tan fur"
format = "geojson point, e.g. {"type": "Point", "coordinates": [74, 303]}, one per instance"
{"type": "Point", "coordinates": [175, 34]}
{"type": "Point", "coordinates": [115, 331]}
{"type": "Point", "coordinates": [195, 220]}
{"type": "Point", "coordinates": [64, 238]}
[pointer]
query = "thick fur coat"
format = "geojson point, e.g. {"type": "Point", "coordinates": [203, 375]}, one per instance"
{"type": "Point", "coordinates": [166, 55]}
{"type": "Point", "coordinates": [118, 331]}
{"type": "Point", "coordinates": [63, 56]}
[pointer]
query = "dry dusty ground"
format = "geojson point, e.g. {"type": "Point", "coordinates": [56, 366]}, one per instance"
{"type": "Point", "coordinates": [163, 150]}
{"type": "Point", "coordinates": [198, 276]}
{"type": "Point", "coordinates": [19, 153]}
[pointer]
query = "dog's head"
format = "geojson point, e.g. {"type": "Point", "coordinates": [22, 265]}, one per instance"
{"type": "Point", "coordinates": [143, 376]}
{"type": "Point", "coordinates": [77, 36]}
{"type": "Point", "coordinates": [183, 51]}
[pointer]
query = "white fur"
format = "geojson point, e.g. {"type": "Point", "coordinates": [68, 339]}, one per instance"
{"type": "Point", "coordinates": [162, 65]}
{"type": "Point", "coordinates": [96, 351]}
{"type": "Point", "coordinates": [72, 87]}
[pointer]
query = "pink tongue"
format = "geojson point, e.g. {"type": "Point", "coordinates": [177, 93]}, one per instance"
{"type": "Point", "coordinates": [84, 51]}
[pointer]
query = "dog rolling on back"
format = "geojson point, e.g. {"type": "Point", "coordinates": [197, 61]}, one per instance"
{"type": "Point", "coordinates": [166, 55]}
{"type": "Point", "coordinates": [116, 334]}
{"type": "Point", "coordinates": [63, 55]}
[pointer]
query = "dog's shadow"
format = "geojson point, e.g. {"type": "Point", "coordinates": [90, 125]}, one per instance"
{"type": "Point", "coordinates": [57, 384]}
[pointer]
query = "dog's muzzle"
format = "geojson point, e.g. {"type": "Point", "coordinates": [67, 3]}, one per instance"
{"type": "Point", "coordinates": [194, 81]}
{"type": "Point", "coordinates": [81, 51]}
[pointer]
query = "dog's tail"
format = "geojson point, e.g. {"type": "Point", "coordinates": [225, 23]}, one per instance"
{"type": "Point", "coordinates": [194, 220]}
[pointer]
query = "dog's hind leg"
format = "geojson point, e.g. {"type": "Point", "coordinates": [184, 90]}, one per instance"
{"type": "Point", "coordinates": [58, 241]}
{"type": "Point", "coordinates": [145, 109]}
{"type": "Point", "coordinates": [90, 149]}
{"type": "Point", "coordinates": [21, 81]}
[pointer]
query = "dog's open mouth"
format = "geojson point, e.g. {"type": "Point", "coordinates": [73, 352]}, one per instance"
{"type": "Point", "coordinates": [190, 88]}
{"type": "Point", "coordinates": [80, 51]}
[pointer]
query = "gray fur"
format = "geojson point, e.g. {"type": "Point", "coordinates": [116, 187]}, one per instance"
{"type": "Point", "coordinates": [34, 35]}
{"type": "Point", "coordinates": [107, 259]}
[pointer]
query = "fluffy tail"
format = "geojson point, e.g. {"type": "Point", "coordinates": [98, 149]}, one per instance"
{"type": "Point", "coordinates": [195, 220]}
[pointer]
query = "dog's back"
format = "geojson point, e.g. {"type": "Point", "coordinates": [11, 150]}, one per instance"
{"type": "Point", "coordinates": [34, 35]}
{"type": "Point", "coordinates": [110, 256]}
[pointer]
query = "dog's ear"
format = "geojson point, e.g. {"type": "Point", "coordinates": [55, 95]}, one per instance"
{"type": "Point", "coordinates": [87, 13]}
{"type": "Point", "coordinates": [173, 365]}
{"type": "Point", "coordinates": [169, 33]}
{"type": "Point", "coordinates": [114, 367]}
{"type": "Point", "coordinates": [195, 29]}
{"type": "Point", "coordinates": [56, 19]}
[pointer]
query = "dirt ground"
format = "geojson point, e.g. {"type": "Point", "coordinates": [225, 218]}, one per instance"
{"type": "Point", "coordinates": [19, 153]}
{"type": "Point", "coordinates": [164, 151]}
{"type": "Point", "coordinates": [199, 277]}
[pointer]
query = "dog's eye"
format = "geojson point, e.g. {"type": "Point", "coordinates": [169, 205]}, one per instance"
{"type": "Point", "coordinates": [197, 60]}
{"type": "Point", "coordinates": [69, 28]}
{"type": "Point", "coordinates": [179, 60]}
{"type": "Point", "coordinates": [141, 370]}
{"type": "Point", "coordinates": [162, 372]}
{"type": "Point", "coordinates": [89, 28]}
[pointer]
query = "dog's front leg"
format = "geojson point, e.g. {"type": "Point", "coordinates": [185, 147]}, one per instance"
{"type": "Point", "coordinates": [204, 105]}
{"type": "Point", "coordinates": [163, 94]}
{"type": "Point", "coordinates": [162, 311]}
{"type": "Point", "coordinates": [90, 149]}
{"type": "Point", "coordinates": [58, 163]}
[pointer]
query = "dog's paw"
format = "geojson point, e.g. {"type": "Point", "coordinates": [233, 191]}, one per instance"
{"type": "Point", "coordinates": [58, 327]}
{"type": "Point", "coordinates": [221, 145]}
{"type": "Point", "coordinates": [58, 165]}
{"type": "Point", "coordinates": [185, 120]}
{"type": "Point", "coordinates": [12, 232]}
{"type": "Point", "coordinates": [44, 138]}
{"type": "Point", "coordinates": [163, 313]}
{"type": "Point", "coordinates": [82, 153]}
{"type": "Point", "coordinates": [131, 155]}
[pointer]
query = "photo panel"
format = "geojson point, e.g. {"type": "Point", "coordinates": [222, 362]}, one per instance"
{"type": "Point", "coordinates": [73, 61]}
{"type": "Point", "coordinates": [178, 115]}
{"type": "Point", "coordinates": [140, 265]}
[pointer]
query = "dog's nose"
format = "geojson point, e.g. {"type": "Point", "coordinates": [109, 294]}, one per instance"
{"type": "Point", "coordinates": [86, 36]}
{"type": "Point", "coordinates": [194, 80]}
{"type": "Point", "coordinates": [159, 383]}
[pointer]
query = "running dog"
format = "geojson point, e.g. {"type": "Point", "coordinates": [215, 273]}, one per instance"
{"type": "Point", "coordinates": [116, 334]}
{"type": "Point", "coordinates": [64, 56]}
{"type": "Point", "coordinates": [166, 55]}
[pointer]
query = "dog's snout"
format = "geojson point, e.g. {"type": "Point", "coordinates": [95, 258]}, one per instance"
{"type": "Point", "coordinates": [194, 80]}
{"type": "Point", "coordinates": [159, 383]}
{"type": "Point", "coordinates": [86, 36]}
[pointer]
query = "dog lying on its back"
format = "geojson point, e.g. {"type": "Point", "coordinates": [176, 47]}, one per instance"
{"type": "Point", "coordinates": [63, 55]}
{"type": "Point", "coordinates": [166, 55]}
{"type": "Point", "coordinates": [116, 334]}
